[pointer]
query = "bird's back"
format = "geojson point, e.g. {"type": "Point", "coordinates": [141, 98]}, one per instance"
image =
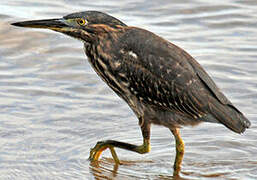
{"type": "Point", "coordinates": [163, 77]}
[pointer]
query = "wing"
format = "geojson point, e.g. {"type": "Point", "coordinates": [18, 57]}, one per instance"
{"type": "Point", "coordinates": [165, 76]}
{"type": "Point", "coordinates": [205, 78]}
{"type": "Point", "coordinates": [160, 74]}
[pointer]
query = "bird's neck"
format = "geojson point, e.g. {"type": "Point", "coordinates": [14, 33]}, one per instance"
{"type": "Point", "coordinates": [102, 56]}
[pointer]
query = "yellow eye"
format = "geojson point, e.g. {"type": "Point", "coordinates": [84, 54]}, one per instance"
{"type": "Point", "coordinates": [81, 22]}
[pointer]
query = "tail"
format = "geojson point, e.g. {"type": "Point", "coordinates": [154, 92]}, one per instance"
{"type": "Point", "coordinates": [228, 115]}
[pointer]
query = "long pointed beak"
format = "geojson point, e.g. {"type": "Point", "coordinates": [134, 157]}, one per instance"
{"type": "Point", "coordinates": [59, 25]}
{"type": "Point", "coordinates": [45, 23]}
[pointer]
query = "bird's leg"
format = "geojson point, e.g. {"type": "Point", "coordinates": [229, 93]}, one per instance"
{"type": "Point", "coordinates": [179, 151]}
{"type": "Point", "coordinates": [111, 144]}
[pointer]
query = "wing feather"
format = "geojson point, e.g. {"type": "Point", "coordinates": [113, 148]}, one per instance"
{"type": "Point", "coordinates": [163, 75]}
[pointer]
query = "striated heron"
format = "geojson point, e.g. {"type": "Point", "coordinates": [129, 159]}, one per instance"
{"type": "Point", "coordinates": [161, 82]}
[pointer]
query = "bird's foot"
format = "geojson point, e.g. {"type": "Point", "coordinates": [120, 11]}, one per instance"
{"type": "Point", "coordinates": [100, 146]}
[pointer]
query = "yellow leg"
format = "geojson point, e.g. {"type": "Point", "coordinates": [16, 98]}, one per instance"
{"type": "Point", "coordinates": [103, 145]}
{"type": "Point", "coordinates": [179, 151]}
{"type": "Point", "coordinates": [99, 148]}
{"type": "Point", "coordinates": [111, 144]}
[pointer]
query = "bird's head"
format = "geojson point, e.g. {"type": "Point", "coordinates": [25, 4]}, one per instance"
{"type": "Point", "coordinates": [82, 25]}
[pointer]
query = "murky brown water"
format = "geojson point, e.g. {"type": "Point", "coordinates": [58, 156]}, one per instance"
{"type": "Point", "coordinates": [53, 107]}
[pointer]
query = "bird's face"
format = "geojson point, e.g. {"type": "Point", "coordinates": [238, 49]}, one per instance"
{"type": "Point", "coordinates": [84, 26]}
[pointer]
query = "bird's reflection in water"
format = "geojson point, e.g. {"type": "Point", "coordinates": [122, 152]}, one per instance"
{"type": "Point", "coordinates": [106, 168]}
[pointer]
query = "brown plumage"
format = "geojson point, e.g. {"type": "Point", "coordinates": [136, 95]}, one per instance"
{"type": "Point", "coordinates": [161, 82]}
{"type": "Point", "coordinates": [161, 77]}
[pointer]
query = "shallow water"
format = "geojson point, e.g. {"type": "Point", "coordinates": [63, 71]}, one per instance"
{"type": "Point", "coordinates": [54, 108]}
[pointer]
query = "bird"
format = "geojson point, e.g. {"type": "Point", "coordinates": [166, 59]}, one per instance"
{"type": "Point", "coordinates": [161, 82]}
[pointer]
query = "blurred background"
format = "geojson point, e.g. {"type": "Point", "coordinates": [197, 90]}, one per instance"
{"type": "Point", "coordinates": [54, 108]}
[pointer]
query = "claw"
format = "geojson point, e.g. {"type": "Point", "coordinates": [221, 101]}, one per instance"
{"type": "Point", "coordinates": [100, 146]}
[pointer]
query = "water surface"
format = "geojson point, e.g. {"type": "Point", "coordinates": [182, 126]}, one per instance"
{"type": "Point", "coordinates": [54, 108]}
